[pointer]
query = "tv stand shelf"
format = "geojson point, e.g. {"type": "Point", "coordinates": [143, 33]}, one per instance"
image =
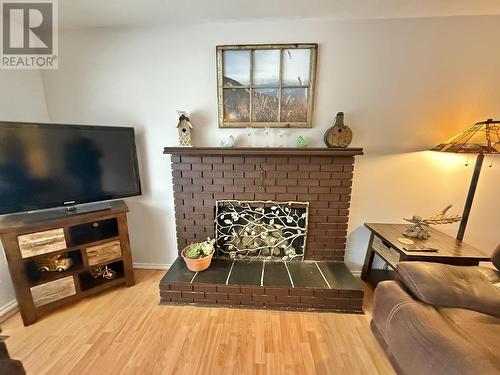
{"type": "Point", "coordinates": [92, 240]}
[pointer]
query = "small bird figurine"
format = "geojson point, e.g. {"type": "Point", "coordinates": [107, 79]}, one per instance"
{"type": "Point", "coordinates": [420, 224]}
{"type": "Point", "coordinates": [230, 142]}
{"type": "Point", "coordinates": [282, 134]}
{"type": "Point", "coordinates": [301, 142]}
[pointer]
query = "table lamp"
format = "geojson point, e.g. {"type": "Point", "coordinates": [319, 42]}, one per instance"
{"type": "Point", "coordinates": [481, 138]}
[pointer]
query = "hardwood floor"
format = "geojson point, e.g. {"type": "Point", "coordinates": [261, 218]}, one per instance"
{"type": "Point", "coordinates": [125, 331]}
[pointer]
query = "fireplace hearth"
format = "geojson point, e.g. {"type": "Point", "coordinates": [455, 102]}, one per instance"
{"type": "Point", "coordinates": [279, 216]}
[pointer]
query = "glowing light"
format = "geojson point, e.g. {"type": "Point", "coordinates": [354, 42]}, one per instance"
{"type": "Point", "coordinates": [447, 160]}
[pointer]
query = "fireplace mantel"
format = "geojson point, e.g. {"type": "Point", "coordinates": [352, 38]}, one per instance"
{"type": "Point", "coordinates": [263, 151]}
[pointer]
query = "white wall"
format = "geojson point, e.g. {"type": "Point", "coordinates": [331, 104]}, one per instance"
{"type": "Point", "coordinates": [405, 85]}
{"type": "Point", "coordinates": [21, 99]}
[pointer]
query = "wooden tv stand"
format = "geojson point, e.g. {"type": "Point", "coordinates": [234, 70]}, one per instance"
{"type": "Point", "coordinates": [91, 240]}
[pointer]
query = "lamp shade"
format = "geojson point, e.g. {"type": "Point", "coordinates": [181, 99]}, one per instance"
{"type": "Point", "coordinates": [481, 138]}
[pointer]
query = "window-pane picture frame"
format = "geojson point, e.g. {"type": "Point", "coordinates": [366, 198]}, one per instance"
{"type": "Point", "coordinates": [266, 85]}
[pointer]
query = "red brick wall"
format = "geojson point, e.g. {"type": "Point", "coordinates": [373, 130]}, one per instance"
{"type": "Point", "coordinates": [324, 182]}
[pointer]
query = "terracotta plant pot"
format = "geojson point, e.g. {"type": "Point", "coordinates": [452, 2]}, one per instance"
{"type": "Point", "coordinates": [197, 265]}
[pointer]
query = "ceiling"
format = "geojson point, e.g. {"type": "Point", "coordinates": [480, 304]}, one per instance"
{"type": "Point", "coordinates": [114, 13]}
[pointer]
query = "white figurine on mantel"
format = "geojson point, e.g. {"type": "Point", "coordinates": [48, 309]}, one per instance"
{"type": "Point", "coordinates": [249, 133]}
{"type": "Point", "coordinates": [184, 128]}
{"type": "Point", "coordinates": [230, 142]}
{"type": "Point", "coordinates": [268, 136]}
{"type": "Point", "coordinates": [283, 133]}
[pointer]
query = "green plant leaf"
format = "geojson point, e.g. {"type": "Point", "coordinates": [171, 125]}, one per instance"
{"type": "Point", "coordinates": [194, 251]}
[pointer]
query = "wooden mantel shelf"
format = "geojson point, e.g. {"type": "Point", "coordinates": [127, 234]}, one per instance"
{"type": "Point", "coordinates": [264, 151]}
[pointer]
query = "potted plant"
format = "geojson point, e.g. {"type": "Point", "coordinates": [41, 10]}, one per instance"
{"type": "Point", "coordinates": [198, 256]}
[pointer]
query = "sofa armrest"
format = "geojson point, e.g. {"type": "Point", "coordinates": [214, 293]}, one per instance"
{"type": "Point", "coordinates": [387, 297]}
{"type": "Point", "coordinates": [422, 342]}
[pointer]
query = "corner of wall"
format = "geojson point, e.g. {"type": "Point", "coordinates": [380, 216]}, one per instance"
{"type": "Point", "coordinates": [43, 81]}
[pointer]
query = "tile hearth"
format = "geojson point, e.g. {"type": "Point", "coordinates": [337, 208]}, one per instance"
{"type": "Point", "coordinates": [315, 285]}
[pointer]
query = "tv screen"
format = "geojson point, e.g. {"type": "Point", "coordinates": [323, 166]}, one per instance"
{"type": "Point", "coordinates": [51, 165]}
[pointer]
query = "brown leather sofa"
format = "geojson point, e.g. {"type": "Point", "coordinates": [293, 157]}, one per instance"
{"type": "Point", "coordinates": [440, 319]}
{"type": "Point", "coordinates": [9, 366]}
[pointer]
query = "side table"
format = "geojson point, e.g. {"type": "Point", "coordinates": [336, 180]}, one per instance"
{"type": "Point", "coordinates": [384, 242]}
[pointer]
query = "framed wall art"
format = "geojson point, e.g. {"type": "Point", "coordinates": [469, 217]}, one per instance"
{"type": "Point", "coordinates": [268, 85]}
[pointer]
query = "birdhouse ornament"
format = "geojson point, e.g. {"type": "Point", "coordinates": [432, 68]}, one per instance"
{"type": "Point", "coordinates": [184, 128]}
{"type": "Point", "coordinates": [339, 135]}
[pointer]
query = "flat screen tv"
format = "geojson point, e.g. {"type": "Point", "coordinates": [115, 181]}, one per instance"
{"type": "Point", "coordinates": [52, 165]}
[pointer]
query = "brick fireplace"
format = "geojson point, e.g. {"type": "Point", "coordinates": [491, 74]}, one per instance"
{"type": "Point", "coordinates": [319, 178]}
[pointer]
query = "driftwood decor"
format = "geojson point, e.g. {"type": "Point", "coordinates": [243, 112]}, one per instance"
{"type": "Point", "coordinates": [261, 229]}
{"type": "Point", "coordinates": [420, 224]}
{"type": "Point", "coordinates": [268, 85]}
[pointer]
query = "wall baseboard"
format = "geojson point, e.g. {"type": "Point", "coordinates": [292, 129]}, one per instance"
{"type": "Point", "coordinates": [356, 273]}
{"type": "Point", "coordinates": [7, 310]}
{"type": "Point", "coordinates": [152, 266]}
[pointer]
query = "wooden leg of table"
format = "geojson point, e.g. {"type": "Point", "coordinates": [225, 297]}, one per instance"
{"type": "Point", "coordinates": [20, 282]}
{"type": "Point", "coordinates": [367, 265]}
{"type": "Point", "coordinates": [126, 253]}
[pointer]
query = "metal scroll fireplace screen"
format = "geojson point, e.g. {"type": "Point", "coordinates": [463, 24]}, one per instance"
{"type": "Point", "coordinates": [261, 229]}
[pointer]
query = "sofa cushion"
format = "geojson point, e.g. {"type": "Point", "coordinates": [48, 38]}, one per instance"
{"type": "Point", "coordinates": [479, 329]}
{"type": "Point", "coordinates": [443, 285]}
